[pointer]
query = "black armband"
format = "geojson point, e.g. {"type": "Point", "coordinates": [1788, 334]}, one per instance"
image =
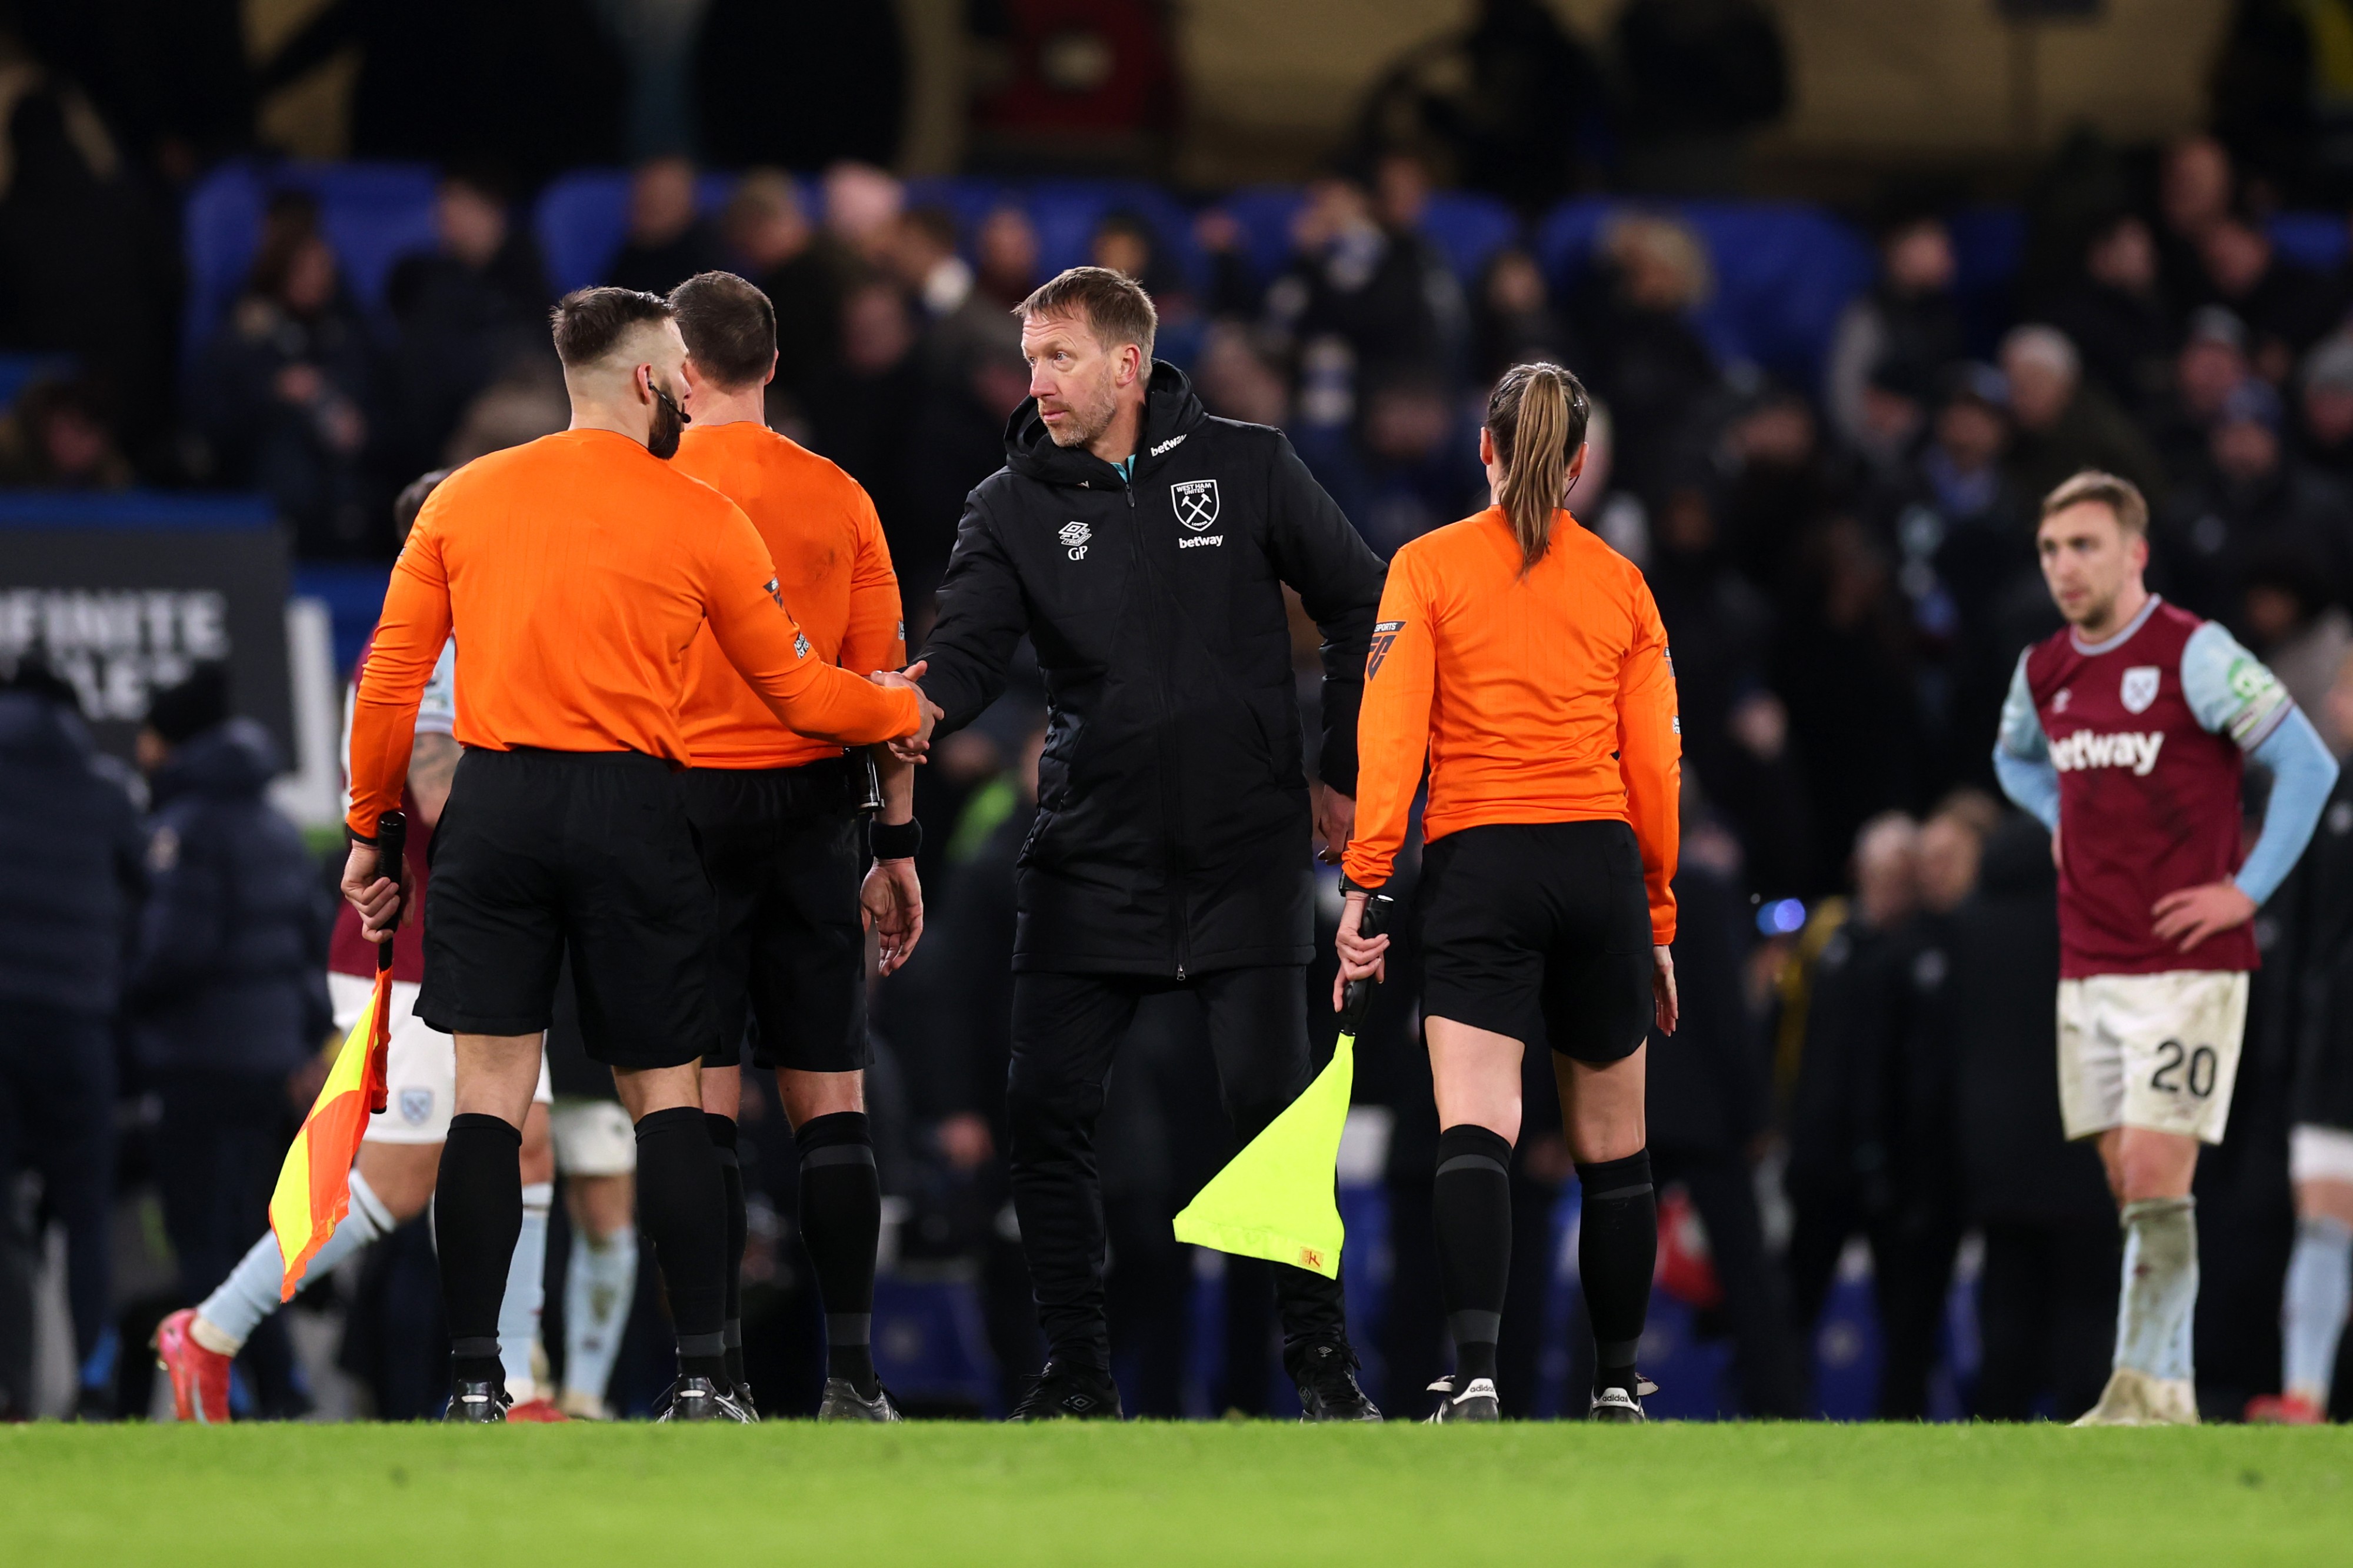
{"type": "Point", "coordinates": [894, 840]}
{"type": "Point", "coordinates": [1350, 884]}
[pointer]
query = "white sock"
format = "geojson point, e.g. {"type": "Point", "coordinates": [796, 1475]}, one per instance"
{"type": "Point", "coordinates": [526, 1293]}
{"type": "Point", "coordinates": [2158, 1308]}
{"type": "Point", "coordinates": [226, 1318]}
{"type": "Point", "coordinates": [599, 1284]}
{"type": "Point", "coordinates": [2312, 1309]}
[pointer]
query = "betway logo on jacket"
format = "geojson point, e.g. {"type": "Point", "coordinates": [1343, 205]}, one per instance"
{"type": "Point", "coordinates": [2130, 749]}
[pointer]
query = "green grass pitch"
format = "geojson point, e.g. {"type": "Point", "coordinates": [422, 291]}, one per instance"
{"type": "Point", "coordinates": [647, 1497]}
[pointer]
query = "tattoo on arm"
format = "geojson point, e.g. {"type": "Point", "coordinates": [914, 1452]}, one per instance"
{"type": "Point", "coordinates": [432, 764]}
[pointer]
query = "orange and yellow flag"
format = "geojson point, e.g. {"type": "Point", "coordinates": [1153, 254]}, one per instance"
{"type": "Point", "coordinates": [314, 1185]}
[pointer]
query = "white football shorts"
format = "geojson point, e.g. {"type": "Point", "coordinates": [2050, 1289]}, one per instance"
{"type": "Point", "coordinates": [420, 1065]}
{"type": "Point", "coordinates": [2159, 1051]}
{"type": "Point", "coordinates": [593, 1138]}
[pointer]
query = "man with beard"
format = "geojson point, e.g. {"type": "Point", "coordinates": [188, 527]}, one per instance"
{"type": "Point", "coordinates": [574, 574]}
{"type": "Point", "coordinates": [1143, 546]}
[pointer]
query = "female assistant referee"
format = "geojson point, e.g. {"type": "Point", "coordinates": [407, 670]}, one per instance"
{"type": "Point", "coordinates": [1525, 658]}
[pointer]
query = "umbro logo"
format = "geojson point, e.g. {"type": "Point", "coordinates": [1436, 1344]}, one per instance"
{"type": "Point", "coordinates": [1075, 536]}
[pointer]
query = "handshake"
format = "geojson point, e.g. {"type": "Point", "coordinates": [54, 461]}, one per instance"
{"type": "Point", "coordinates": [912, 748]}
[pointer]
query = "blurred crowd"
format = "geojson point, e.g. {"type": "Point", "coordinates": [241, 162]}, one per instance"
{"type": "Point", "coordinates": [1845, 568]}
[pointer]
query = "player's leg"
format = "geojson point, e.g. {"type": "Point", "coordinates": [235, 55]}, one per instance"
{"type": "Point", "coordinates": [596, 1150]}
{"type": "Point", "coordinates": [1258, 1033]}
{"type": "Point", "coordinates": [1066, 1029]}
{"type": "Point", "coordinates": [2319, 1274]}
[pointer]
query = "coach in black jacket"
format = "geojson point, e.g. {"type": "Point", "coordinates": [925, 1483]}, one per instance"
{"type": "Point", "coordinates": [1143, 546]}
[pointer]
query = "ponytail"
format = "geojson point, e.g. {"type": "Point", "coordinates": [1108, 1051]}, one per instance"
{"type": "Point", "coordinates": [1537, 414]}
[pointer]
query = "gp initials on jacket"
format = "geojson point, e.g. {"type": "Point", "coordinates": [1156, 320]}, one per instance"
{"type": "Point", "coordinates": [2131, 749]}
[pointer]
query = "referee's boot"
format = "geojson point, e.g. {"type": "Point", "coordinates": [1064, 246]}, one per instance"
{"type": "Point", "coordinates": [842, 1401]}
{"type": "Point", "coordinates": [1475, 1401]}
{"type": "Point", "coordinates": [1325, 1374]}
{"type": "Point", "coordinates": [1068, 1392]}
{"type": "Point", "coordinates": [1615, 1401]}
{"type": "Point", "coordinates": [477, 1402]}
{"type": "Point", "coordinates": [700, 1399]}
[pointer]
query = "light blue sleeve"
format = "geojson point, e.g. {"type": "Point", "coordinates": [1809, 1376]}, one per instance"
{"type": "Point", "coordinates": [2021, 754]}
{"type": "Point", "coordinates": [2230, 690]}
{"type": "Point", "coordinates": [2303, 774]}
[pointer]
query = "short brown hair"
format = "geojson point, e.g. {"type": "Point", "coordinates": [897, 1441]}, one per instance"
{"type": "Point", "coordinates": [2120, 496]}
{"type": "Point", "coordinates": [1115, 306]}
{"type": "Point", "coordinates": [730, 328]}
{"type": "Point", "coordinates": [589, 321]}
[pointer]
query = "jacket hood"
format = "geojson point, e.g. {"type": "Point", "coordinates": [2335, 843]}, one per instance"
{"type": "Point", "coordinates": [2017, 860]}
{"type": "Point", "coordinates": [237, 758]}
{"type": "Point", "coordinates": [37, 730]}
{"type": "Point", "coordinates": [1170, 412]}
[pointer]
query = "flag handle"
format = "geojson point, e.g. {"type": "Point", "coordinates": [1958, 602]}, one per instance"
{"type": "Point", "coordinates": [1358, 999]}
{"type": "Point", "coordinates": [392, 852]}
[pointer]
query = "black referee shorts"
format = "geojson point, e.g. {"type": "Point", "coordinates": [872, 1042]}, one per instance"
{"type": "Point", "coordinates": [787, 949]}
{"type": "Point", "coordinates": [538, 852]}
{"type": "Point", "coordinates": [1540, 931]}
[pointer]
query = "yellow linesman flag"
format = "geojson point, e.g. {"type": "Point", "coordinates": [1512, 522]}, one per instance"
{"type": "Point", "coordinates": [314, 1185]}
{"type": "Point", "coordinates": [1275, 1200]}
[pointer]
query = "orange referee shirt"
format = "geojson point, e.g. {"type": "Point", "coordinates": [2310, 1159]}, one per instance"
{"type": "Point", "coordinates": [575, 572]}
{"type": "Point", "coordinates": [833, 569]}
{"type": "Point", "coordinates": [1544, 698]}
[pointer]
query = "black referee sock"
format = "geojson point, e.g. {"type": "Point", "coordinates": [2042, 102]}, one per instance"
{"type": "Point", "coordinates": [731, 1176]}
{"type": "Point", "coordinates": [682, 1205]}
{"type": "Point", "coordinates": [1472, 1203]}
{"type": "Point", "coordinates": [477, 1215]}
{"type": "Point", "coordinates": [841, 1222]}
{"type": "Point", "coordinates": [1617, 1252]}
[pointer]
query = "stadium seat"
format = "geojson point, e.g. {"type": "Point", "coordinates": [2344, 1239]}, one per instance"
{"type": "Point", "coordinates": [373, 214]}
{"type": "Point", "coordinates": [931, 1347]}
{"type": "Point", "coordinates": [1467, 227]}
{"type": "Point", "coordinates": [2316, 240]}
{"type": "Point", "coordinates": [582, 218]}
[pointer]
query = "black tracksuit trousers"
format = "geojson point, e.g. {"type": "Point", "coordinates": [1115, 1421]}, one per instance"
{"type": "Point", "coordinates": [1066, 1030]}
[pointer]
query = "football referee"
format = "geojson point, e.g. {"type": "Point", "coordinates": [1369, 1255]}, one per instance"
{"type": "Point", "coordinates": [1144, 547]}
{"type": "Point", "coordinates": [574, 574]}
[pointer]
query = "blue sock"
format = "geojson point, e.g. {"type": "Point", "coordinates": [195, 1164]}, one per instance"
{"type": "Point", "coordinates": [526, 1292]}
{"type": "Point", "coordinates": [600, 1282]}
{"type": "Point", "coordinates": [249, 1294]}
{"type": "Point", "coordinates": [2158, 1308]}
{"type": "Point", "coordinates": [2312, 1312]}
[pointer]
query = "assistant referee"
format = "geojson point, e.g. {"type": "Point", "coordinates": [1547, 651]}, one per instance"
{"type": "Point", "coordinates": [1525, 659]}
{"type": "Point", "coordinates": [574, 574]}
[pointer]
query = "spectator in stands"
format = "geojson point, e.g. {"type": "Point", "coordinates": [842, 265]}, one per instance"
{"type": "Point", "coordinates": [2286, 308]}
{"type": "Point", "coordinates": [2325, 407]}
{"type": "Point", "coordinates": [71, 873]}
{"type": "Point", "coordinates": [525, 404]}
{"type": "Point", "coordinates": [87, 268]}
{"type": "Point", "coordinates": [2119, 319]}
{"type": "Point", "coordinates": [958, 441]}
{"type": "Point", "coordinates": [2254, 500]}
{"type": "Point", "coordinates": [1402, 471]}
{"type": "Point", "coordinates": [804, 274]}
{"type": "Point", "coordinates": [1783, 481]}
{"type": "Point", "coordinates": [2195, 188]}
{"type": "Point", "coordinates": [285, 391]}
{"type": "Point", "coordinates": [1698, 77]}
{"type": "Point", "coordinates": [1641, 353]}
{"type": "Point", "coordinates": [1838, 1178]}
{"type": "Point", "coordinates": [1512, 319]}
{"type": "Point", "coordinates": [2209, 367]}
{"type": "Point", "coordinates": [1971, 531]}
{"type": "Point", "coordinates": [227, 999]}
{"type": "Point", "coordinates": [1358, 296]}
{"type": "Point", "coordinates": [1893, 419]}
{"type": "Point", "coordinates": [1005, 257]}
{"type": "Point", "coordinates": [669, 240]}
{"type": "Point", "coordinates": [862, 204]}
{"type": "Point", "coordinates": [924, 258]}
{"type": "Point", "coordinates": [2060, 426]}
{"type": "Point", "coordinates": [2047, 1299]}
{"type": "Point", "coordinates": [1910, 319]}
{"type": "Point", "coordinates": [1236, 381]}
{"type": "Point", "coordinates": [1127, 242]}
{"type": "Point", "coordinates": [861, 415]}
{"type": "Point", "coordinates": [1707, 1095]}
{"type": "Point", "coordinates": [59, 437]}
{"type": "Point", "coordinates": [1719, 626]}
{"type": "Point", "coordinates": [466, 310]}
{"type": "Point", "coordinates": [2300, 633]}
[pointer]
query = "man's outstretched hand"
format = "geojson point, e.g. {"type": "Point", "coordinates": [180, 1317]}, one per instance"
{"type": "Point", "coordinates": [1335, 823]}
{"type": "Point", "coordinates": [912, 748]}
{"type": "Point", "coordinates": [2193, 914]}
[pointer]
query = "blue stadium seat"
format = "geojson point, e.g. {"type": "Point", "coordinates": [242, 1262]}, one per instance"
{"type": "Point", "coordinates": [582, 217]}
{"type": "Point", "coordinates": [2316, 240]}
{"type": "Point", "coordinates": [1065, 211]}
{"type": "Point", "coordinates": [373, 214]}
{"type": "Point", "coordinates": [1467, 227]}
{"type": "Point", "coordinates": [931, 1346]}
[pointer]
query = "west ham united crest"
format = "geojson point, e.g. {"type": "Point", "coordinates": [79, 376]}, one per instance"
{"type": "Point", "coordinates": [1196, 501]}
{"type": "Point", "coordinates": [2139, 687]}
{"type": "Point", "coordinates": [415, 1105]}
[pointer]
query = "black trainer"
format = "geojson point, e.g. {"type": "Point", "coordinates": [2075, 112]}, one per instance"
{"type": "Point", "coordinates": [842, 1401]}
{"type": "Point", "coordinates": [1328, 1389]}
{"type": "Point", "coordinates": [480, 1403]}
{"type": "Point", "coordinates": [1072, 1393]}
{"type": "Point", "coordinates": [699, 1399]}
{"type": "Point", "coordinates": [1614, 1402]}
{"type": "Point", "coordinates": [1476, 1402]}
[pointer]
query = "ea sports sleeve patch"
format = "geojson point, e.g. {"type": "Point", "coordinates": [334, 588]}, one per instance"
{"type": "Point", "coordinates": [2230, 690]}
{"type": "Point", "coordinates": [1383, 634]}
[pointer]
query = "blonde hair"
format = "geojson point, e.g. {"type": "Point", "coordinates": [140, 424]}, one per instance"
{"type": "Point", "coordinates": [2120, 496]}
{"type": "Point", "coordinates": [1537, 414]}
